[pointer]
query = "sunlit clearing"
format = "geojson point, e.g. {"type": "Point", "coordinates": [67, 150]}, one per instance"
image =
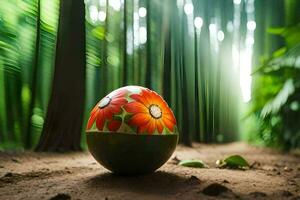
{"type": "Point", "coordinates": [179, 3]}
{"type": "Point", "coordinates": [188, 8]}
{"type": "Point", "coordinates": [101, 16]}
{"type": "Point", "coordinates": [251, 25]}
{"type": "Point", "coordinates": [249, 41]}
{"type": "Point", "coordinates": [198, 22]}
{"type": "Point", "coordinates": [229, 26]}
{"type": "Point", "coordinates": [136, 29]}
{"type": "Point", "coordinates": [93, 13]}
{"type": "Point", "coordinates": [220, 36]}
{"type": "Point", "coordinates": [235, 56]}
{"type": "Point", "coordinates": [237, 2]}
{"type": "Point", "coordinates": [115, 4]}
{"type": "Point", "coordinates": [129, 48]}
{"type": "Point", "coordinates": [136, 16]}
{"type": "Point", "coordinates": [102, 3]}
{"type": "Point", "coordinates": [213, 28]}
{"type": "Point", "coordinates": [143, 35]}
{"type": "Point", "coordinates": [142, 12]}
{"type": "Point", "coordinates": [245, 74]}
{"type": "Point", "coordinates": [213, 36]}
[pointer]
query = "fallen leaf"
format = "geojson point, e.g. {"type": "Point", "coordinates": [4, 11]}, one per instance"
{"type": "Point", "coordinates": [233, 162]}
{"type": "Point", "coordinates": [192, 163]}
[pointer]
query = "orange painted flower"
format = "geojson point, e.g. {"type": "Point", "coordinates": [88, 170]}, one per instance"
{"type": "Point", "coordinates": [105, 109]}
{"type": "Point", "coordinates": [150, 112]}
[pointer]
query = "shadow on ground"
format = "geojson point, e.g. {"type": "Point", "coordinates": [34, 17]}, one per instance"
{"type": "Point", "coordinates": [155, 183]}
{"type": "Point", "coordinates": [173, 185]}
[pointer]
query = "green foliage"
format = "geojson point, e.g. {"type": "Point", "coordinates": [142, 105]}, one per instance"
{"type": "Point", "coordinates": [18, 36]}
{"type": "Point", "coordinates": [233, 162]}
{"type": "Point", "coordinates": [276, 104]}
{"type": "Point", "coordinates": [192, 163]}
{"type": "Point", "coordinates": [190, 67]}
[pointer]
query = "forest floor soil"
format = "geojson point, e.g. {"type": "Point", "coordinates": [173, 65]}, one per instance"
{"type": "Point", "coordinates": [30, 175]}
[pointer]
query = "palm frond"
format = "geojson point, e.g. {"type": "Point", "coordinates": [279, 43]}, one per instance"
{"type": "Point", "coordinates": [275, 104]}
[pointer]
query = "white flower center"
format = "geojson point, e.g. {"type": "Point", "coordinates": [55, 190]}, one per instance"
{"type": "Point", "coordinates": [104, 102]}
{"type": "Point", "coordinates": [155, 111]}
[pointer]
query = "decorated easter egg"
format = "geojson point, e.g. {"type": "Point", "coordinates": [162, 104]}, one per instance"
{"type": "Point", "coordinates": [132, 130]}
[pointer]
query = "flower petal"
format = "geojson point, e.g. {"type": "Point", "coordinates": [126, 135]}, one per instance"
{"type": "Point", "coordinates": [148, 96]}
{"type": "Point", "coordinates": [114, 125]}
{"type": "Point", "coordinates": [114, 108]}
{"type": "Point", "coordinates": [118, 94]}
{"type": "Point", "coordinates": [170, 116]}
{"type": "Point", "coordinates": [169, 124]}
{"type": "Point", "coordinates": [140, 98]}
{"type": "Point", "coordinates": [107, 113]}
{"type": "Point", "coordinates": [144, 127]}
{"type": "Point", "coordinates": [118, 101]}
{"type": "Point", "coordinates": [155, 98]}
{"type": "Point", "coordinates": [151, 126]}
{"type": "Point", "coordinates": [92, 119]}
{"type": "Point", "coordinates": [100, 121]}
{"type": "Point", "coordinates": [139, 119]}
{"type": "Point", "coordinates": [135, 107]}
{"type": "Point", "coordinates": [159, 125]}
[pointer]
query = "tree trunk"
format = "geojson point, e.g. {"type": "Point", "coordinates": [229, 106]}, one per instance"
{"type": "Point", "coordinates": [105, 53]}
{"type": "Point", "coordinates": [166, 27]}
{"type": "Point", "coordinates": [125, 67]}
{"type": "Point", "coordinates": [186, 136]}
{"type": "Point", "coordinates": [148, 47]}
{"type": "Point", "coordinates": [63, 124]}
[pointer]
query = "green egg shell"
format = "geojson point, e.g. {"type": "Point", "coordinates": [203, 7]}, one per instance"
{"type": "Point", "coordinates": [129, 154]}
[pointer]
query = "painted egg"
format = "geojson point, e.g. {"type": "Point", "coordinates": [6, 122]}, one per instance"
{"type": "Point", "coordinates": [132, 130]}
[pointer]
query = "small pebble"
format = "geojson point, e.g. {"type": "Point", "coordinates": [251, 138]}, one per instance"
{"type": "Point", "coordinates": [293, 182]}
{"type": "Point", "coordinates": [215, 189]}
{"type": "Point", "coordinates": [287, 169]}
{"type": "Point", "coordinates": [257, 194]}
{"type": "Point", "coordinates": [193, 180]}
{"type": "Point", "coordinates": [284, 193]}
{"type": "Point", "coordinates": [175, 160]}
{"type": "Point", "coordinates": [267, 168]}
{"type": "Point", "coordinates": [61, 196]}
{"type": "Point", "coordinates": [8, 174]}
{"type": "Point", "coordinates": [15, 160]}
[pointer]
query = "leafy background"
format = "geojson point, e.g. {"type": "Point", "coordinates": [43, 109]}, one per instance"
{"type": "Point", "coordinates": [198, 68]}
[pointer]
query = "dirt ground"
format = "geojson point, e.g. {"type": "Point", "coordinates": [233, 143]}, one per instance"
{"type": "Point", "coordinates": [78, 176]}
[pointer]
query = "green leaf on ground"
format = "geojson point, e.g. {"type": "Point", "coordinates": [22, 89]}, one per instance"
{"type": "Point", "coordinates": [233, 162]}
{"type": "Point", "coordinates": [192, 163]}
